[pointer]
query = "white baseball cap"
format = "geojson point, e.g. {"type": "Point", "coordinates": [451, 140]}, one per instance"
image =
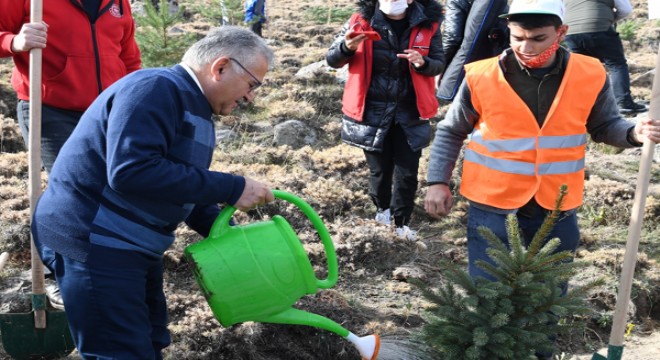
{"type": "Point", "coordinates": [547, 7]}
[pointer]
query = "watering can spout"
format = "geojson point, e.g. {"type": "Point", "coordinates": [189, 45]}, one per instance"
{"type": "Point", "coordinates": [293, 316]}
{"type": "Point", "coordinates": [368, 346]}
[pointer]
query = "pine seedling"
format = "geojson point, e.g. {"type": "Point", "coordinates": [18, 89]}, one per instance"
{"type": "Point", "coordinates": [158, 45]}
{"type": "Point", "coordinates": [517, 314]}
{"type": "Point", "coordinates": [221, 12]}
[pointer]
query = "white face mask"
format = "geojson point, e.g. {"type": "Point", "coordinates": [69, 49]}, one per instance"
{"type": "Point", "coordinates": [393, 8]}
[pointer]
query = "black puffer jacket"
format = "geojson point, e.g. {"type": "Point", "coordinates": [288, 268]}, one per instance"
{"type": "Point", "coordinates": [465, 38]}
{"type": "Point", "coordinates": [391, 96]}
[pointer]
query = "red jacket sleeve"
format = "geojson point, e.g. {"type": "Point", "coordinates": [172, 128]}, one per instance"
{"type": "Point", "coordinates": [130, 53]}
{"type": "Point", "coordinates": [14, 13]}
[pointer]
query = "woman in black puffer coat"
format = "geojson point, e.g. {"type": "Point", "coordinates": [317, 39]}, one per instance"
{"type": "Point", "coordinates": [390, 96]}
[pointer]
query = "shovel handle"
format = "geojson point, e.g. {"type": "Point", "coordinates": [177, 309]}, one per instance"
{"type": "Point", "coordinates": [636, 217]}
{"type": "Point", "coordinates": [34, 145]}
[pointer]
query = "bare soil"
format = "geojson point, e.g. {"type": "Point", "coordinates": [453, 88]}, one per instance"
{"type": "Point", "coordinates": [373, 294]}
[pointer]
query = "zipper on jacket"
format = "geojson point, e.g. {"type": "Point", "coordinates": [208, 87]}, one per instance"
{"type": "Point", "coordinates": [97, 59]}
{"type": "Point", "coordinates": [92, 24]}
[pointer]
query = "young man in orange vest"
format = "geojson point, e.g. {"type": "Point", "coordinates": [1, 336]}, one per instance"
{"type": "Point", "coordinates": [528, 113]}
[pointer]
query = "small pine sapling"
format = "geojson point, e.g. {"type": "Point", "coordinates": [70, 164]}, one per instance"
{"type": "Point", "coordinates": [517, 314]}
{"type": "Point", "coordinates": [158, 46]}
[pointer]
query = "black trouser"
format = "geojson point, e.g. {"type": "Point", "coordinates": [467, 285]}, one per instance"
{"type": "Point", "coordinates": [393, 175]}
{"type": "Point", "coordinates": [256, 27]}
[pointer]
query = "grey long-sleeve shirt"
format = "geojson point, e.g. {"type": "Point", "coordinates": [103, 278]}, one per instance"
{"type": "Point", "coordinates": [586, 16]}
{"type": "Point", "coordinates": [605, 124]}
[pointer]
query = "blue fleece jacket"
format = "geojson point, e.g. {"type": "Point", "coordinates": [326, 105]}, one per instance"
{"type": "Point", "coordinates": [255, 10]}
{"type": "Point", "coordinates": [135, 167]}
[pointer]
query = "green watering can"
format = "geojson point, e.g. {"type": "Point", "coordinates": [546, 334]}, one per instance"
{"type": "Point", "coordinates": [257, 272]}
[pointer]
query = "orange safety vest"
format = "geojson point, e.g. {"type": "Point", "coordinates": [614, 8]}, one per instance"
{"type": "Point", "coordinates": [509, 159]}
{"type": "Point", "coordinates": [359, 73]}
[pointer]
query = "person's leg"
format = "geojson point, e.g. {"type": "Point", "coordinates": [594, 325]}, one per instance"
{"type": "Point", "coordinates": [56, 127]}
{"type": "Point", "coordinates": [578, 43]}
{"type": "Point", "coordinates": [381, 168]}
{"type": "Point", "coordinates": [477, 244]}
{"type": "Point", "coordinates": [113, 307]}
{"type": "Point", "coordinates": [611, 53]}
{"type": "Point", "coordinates": [406, 167]}
{"type": "Point", "coordinates": [256, 28]}
{"type": "Point", "coordinates": [567, 230]}
{"type": "Point", "coordinates": [606, 46]}
{"type": "Point", "coordinates": [160, 336]}
{"type": "Point", "coordinates": [48, 258]}
{"type": "Point", "coordinates": [23, 115]}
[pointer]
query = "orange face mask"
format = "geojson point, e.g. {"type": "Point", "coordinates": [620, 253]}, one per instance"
{"type": "Point", "coordinates": [542, 58]}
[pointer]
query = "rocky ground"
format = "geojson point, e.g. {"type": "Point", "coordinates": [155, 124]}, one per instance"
{"type": "Point", "coordinates": [373, 294]}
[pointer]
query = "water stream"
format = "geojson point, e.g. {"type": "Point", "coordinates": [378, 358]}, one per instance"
{"type": "Point", "coordinates": [397, 348]}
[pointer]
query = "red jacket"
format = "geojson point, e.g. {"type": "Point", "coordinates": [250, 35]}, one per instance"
{"type": "Point", "coordinates": [80, 59]}
{"type": "Point", "coordinates": [359, 74]}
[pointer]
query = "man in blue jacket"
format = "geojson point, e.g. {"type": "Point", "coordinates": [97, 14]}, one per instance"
{"type": "Point", "coordinates": [131, 172]}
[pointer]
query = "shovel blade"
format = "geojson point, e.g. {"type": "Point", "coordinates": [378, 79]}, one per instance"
{"type": "Point", "coordinates": [21, 340]}
{"type": "Point", "coordinates": [613, 353]}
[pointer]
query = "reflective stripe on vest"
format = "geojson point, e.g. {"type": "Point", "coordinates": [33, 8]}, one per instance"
{"type": "Point", "coordinates": [509, 159]}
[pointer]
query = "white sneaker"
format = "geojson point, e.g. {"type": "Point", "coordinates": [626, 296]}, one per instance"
{"type": "Point", "coordinates": [406, 233]}
{"type": "Point", "coordinates": [384, 217]}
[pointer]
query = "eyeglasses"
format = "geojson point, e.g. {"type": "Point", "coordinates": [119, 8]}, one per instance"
{"type": "Point", "coordinates": [256, 84]}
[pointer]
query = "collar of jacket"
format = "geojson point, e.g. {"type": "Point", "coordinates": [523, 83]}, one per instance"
{"type": "Point", "coordinates": [103, 7]}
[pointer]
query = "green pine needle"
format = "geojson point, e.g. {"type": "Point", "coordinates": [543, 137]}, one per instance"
{"type": "Point", "coordinates": [514, 316]}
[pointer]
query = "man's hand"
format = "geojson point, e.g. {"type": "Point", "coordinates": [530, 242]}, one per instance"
{"type": "Point", "coordinates": [32, 35]}
{"type": "Point", "coordinates": [254, 194]}
{"type": "Point", "coordinates": [647, 128]}
{"type": "Point", "coordinates": [438, 201]}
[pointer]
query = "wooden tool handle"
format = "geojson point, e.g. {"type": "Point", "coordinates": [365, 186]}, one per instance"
{"type": "Point", "coordinates": [34, 145]}
{"type": "Point", "coordinates": [636, 217]}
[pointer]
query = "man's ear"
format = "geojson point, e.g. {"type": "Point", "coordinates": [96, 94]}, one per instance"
{"type": "Point", "coordinates": [218, 66]}
{"type": "Point", "coordinates": [563, 30]}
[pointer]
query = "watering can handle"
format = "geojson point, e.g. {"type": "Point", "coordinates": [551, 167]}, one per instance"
{"type": "Point", "coordinates": [221, 224]}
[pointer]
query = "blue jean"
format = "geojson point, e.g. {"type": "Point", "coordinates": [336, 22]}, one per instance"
{"type": "Point", "coordinates": [115, 303]}
{"type": "Point", "coordinates": [56, 127]}
{"type": "Point", "coordinates": [566, 229]}
{"type": "Point", "coordinates": [606, 46]}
